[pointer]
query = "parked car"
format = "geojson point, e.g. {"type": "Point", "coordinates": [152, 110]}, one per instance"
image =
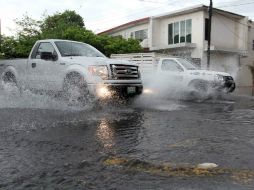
{"type": "Point", "coordinates": [74, 68]}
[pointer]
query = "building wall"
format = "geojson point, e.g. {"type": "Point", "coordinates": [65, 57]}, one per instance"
{"type": "Point", "coordinates": [126, 33]}
{"type": "Point", "coordinates": [225, 62]}
{"type": "Point", "coordinates": [228, 33]}
{"type": "Point", "coordinates": [160, 32]}
{"type": "Point", "coordinates": [246, 73]}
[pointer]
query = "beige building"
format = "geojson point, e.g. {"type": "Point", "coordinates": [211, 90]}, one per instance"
{"type": "Point", "coordinates": [184, 33]}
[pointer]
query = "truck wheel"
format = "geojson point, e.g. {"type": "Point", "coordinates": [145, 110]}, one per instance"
{"type": "Point", "coordinates": [10, 79]}
{"type": "Point", "coordinates": [75, 89]}
{"type": "Point", "coordinates": [231, 88]}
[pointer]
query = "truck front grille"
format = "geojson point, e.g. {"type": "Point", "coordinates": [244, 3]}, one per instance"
{"type": "Point", "coordinates": [124, 72]}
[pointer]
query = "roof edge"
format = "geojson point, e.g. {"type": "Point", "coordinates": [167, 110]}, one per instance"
{"type": "Point", "coordinates": [139, 21]}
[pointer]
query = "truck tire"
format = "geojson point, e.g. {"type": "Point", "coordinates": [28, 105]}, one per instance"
{"type": "Point", "coordinates": [9, 80]}
{"type": "Point", "coordinates": [231, 88]}
{"type": "Point", "coordinates": [75, 89]}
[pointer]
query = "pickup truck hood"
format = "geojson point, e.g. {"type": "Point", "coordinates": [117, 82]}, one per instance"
{"type": "Point", "coordinates": [85, 61]}
{"type": "Point", "coordinates": [205, 72]}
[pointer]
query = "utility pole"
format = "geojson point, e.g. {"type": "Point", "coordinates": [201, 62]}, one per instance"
{"type": "Point", "coordinates": [209, 33]}
{"type": "Point", "coordinates": [0, 34]}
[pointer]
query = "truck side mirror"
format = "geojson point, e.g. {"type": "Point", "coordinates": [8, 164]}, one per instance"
{"type": "Point", "coordinates": [48, 56]}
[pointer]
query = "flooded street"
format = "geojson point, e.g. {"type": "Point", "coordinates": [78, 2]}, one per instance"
{"type": "Point", "coordinates": [145, 145]}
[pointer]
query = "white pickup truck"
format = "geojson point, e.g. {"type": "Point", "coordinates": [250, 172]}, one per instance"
{"type": "Point", "coordinates": [164, 72]}
{"type": "Point", "coordinates": [182, 74]}
{"type": "Point", "coordinates": [69, 66]}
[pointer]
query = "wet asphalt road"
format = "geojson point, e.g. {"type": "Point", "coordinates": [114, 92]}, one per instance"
{"type": "Point", "coordinates": [51, 146]}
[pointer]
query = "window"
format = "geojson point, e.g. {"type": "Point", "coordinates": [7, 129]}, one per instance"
{"type": "Point", "coordinates": [206, 28]}
{"type": "Point", "coordinates": [188, 65]}
{"type": "Point", "coordinates": [180, 32]}
{"type": "Point", "coordinates": [67, 48]}
{"type": "Point", "coordinates": [132, 35]}
{"type": "Point", "coordinates": [45, 47]}
{"type": "Point", "coordinates": [188, 30]}
{"type": "Point", "coordinates": [170, 34]}
{"type": "Point", "coordinates": [139, 35]}
{"type": "Point", "coordinates": [176, 32]}
{"type": "Point", "coordinates": [170, 65]}
{"type": "Point", "coordinates": [42, 47]}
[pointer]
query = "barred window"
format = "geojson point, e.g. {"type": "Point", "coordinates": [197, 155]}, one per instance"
{"type": "Point", "coordinates": [139, 35]}
{"type": "Point", "coordinates": [180, 32]}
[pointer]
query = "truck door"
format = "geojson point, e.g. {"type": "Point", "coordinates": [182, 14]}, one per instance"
{"type": "Point", "coordinates": [44, 74]}
{"type": "Point", "coordinates": [172, 72]}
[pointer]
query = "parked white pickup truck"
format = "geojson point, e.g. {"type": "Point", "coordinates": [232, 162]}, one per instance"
{"type": "Point", "coordinates": [163, 71]}
{"type": "Point", "coordinates": [69, 66]}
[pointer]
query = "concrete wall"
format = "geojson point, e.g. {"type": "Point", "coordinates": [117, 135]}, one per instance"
{"type": "Point", "coordinates": [160, 31]}
{"type": "Point", "coordinates": [126, 33]}
{"type": "Point", "coordinates": [245, 80]}
{"type": "Point", "coordinates": [228, 33]}
{"type": "Point", "coordinates": [225, 62]}
{"type": "Point", "coordinates": [246, 73]}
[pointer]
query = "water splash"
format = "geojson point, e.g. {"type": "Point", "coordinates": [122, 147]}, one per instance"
{"type": "Point", "coordinates": [12, 97]}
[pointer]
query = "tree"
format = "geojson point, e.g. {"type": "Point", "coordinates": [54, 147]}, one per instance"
{"type": "Point", "coordinates": [8, 47]}
{"type": "Point", "coordinates": [67, 25]}
{"type": "Point", "coordinates": [27, 26]}
{"type": "Point", "coordinates": [120, 45]}
{"type": "Point", "coordinates": [56, 25]}
{"type": "Point", "coordinates": [27, 33]}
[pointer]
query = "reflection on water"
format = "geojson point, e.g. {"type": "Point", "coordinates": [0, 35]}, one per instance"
{"type": "Point", "coordinates": [106, 134]}
{"type": "Point", "coordinates": [122, 133]}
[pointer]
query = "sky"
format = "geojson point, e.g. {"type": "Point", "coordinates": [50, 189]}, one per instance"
{"type": "Point", "coordinates": [102, 15]}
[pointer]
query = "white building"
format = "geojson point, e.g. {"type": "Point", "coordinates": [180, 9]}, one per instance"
{"type": "Point", "coordinates": [184, 33]}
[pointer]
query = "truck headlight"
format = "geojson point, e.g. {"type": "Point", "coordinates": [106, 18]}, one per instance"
{"type": "Point", "coordinates": [99, 70]}
{"type": "Point", "coordinates": [219, 78]}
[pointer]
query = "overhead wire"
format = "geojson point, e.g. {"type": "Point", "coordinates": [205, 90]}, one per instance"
{"type": "Point", "coordinates": [235, 5]}
{"type": "Point", "coordinates": [152, 9]}
{"type": "Point", "coordinates": [233, 32]}
{"type": "Point", "coordinates": [149, 9]}
{"type": "Point", "coordinates": [141, 10]}
{"type": "Point", "coordinates": [235, 20]}
{"type": "Point", "coordinates": [130, 15]}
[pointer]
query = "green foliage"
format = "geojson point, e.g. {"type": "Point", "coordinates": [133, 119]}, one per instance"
{"type": "Point", "coordinates": [27, 33]}
{"type": "Point", "coordinates": [120, 45]}
{"type": "Point", "coordinates": [8, 47]}
{"type": "Point", "coordinates": [67, 25]}
{"type": "Point", "coordinates": [55, 26]}
{"type": "Point", "coordinates": [27, 26]}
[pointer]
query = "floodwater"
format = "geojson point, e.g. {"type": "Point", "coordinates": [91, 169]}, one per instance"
{"type": "Point", "coordinates": [149, 144]}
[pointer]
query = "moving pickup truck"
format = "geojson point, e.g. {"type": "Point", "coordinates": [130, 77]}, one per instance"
{"type": "Point", "coordinates": [178, 73]}
{"type": "Point", "coordinates": [77, 69]}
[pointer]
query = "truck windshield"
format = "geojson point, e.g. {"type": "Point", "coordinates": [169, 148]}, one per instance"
{"type": "Point", "coordinates": [188, 65]}
{"type": "Point", "coordinates": [77, 49]}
